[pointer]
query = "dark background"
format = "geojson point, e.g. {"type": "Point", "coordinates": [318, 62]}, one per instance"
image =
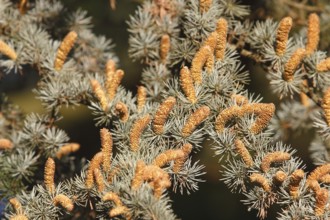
{"type": "Point", "coordinates": [213, 200]}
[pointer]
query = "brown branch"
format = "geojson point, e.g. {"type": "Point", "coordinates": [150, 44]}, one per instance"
{"type": "Point", "coordinates": [246, 53]}
{"type": "Point", "coordinates": [307, 90]}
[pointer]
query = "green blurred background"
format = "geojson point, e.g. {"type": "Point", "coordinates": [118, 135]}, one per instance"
{"type": "Point", "coordinates": [213, 200]}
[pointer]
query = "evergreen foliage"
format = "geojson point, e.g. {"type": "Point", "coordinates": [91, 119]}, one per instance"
{"type": "Point", "coordinates": [193, 88]}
